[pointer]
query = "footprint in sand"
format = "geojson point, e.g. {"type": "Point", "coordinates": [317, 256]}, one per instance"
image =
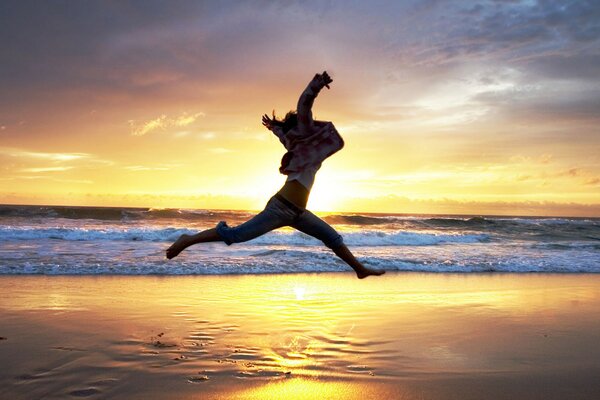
{"type": "Point", "coordinates": [85, 392]}
{"type": "Point", "coordinates": [93, 389]}
{"type": "Point", "coordinates": [198, 378]}
{"type": "Point", "coordinates": [360, 369]}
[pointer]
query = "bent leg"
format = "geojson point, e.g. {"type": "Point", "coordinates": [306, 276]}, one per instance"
{"type": "Point", "coordinates": [314, 226]}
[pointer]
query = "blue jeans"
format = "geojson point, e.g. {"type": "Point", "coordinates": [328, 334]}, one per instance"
{"type": "Point", "coordinates": [275, 215]}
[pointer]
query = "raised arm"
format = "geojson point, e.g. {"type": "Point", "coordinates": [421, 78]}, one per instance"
{"type": "Point", "coordinates": [307, 98]}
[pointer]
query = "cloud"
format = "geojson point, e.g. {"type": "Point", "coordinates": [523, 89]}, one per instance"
{"type": "Point", "coordinates": [511, 30]}
{"type": "Point", "coordinates": [148, 126]}
{"type": "Point", "coordinates": [46, 169]}
{"type": "Point", "coordinates": [185, 120]}
{"type": "Point", "coordinates": [196, 50]}
{"type": "Point", "coordinates": [207, 135]}
{"type": "Point", "coordinates": [545, 103]}
{"type": "Point", "coordinates": [593, 181]}
{"type": "Point", "coordinates": [163, 123]}
{"type": "Point", "coordinates": [48, 178]}
{"type": "Point", "coordinates": [164, 167]}
{"type": "Point", "coordinates": [13, 152]}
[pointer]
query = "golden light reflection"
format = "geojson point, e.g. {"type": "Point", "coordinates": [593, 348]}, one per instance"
{"type": "Point", "coordinates": [310, 389]}
{"type": "Point", "coordinates": [58, 301]}
{"type": "Point", "coordinates": [296, 354]}
{"type": "Point", "coordinates": [308, 335]}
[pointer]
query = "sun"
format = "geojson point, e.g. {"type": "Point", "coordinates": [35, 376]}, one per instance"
{"type": "Point", "coordinates": [327, 194]}
{"type": "Point", "coordinates": [299, 291]}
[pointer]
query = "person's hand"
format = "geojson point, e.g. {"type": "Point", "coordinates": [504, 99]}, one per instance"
{"type": "Point", "coordinates": [323, 80]}
{"type": "Point", "coordinates": [326, 79]}
{"type": "Point", "coordinates": [268, 122]}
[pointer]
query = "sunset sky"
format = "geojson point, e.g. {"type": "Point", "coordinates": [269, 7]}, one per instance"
{"type": "Point", "coordinates": [487, 107]}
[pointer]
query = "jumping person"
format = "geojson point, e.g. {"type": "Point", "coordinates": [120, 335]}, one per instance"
{"type": "Point", "coordinates": [308, 143]}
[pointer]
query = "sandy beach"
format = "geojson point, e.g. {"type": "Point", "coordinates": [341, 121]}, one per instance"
{"type": "Point", "coordinates": [301, 336]}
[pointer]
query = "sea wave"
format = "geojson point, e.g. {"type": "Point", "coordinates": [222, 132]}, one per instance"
{"type": "Point", "coordinates": [363, 238]}
{"type": "Point", "coordinates": [115, 213]}
{"type": "Point", "coordinates": [359, 219]}
{"type": "Point", "coordinates": [105, 240]}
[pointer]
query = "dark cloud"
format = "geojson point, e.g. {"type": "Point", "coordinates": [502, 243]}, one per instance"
{"type": "Point", "coordinates": [63, 54]}
{"type": "Point", "coordinates": [42, 40]}
{"type": "Point", "coordinates": [142, 50]}
{"type": "Point", "coordinates": [507, 31]}
{"type": "Point", "coordinates": [581, 67]}
{"type": "Point", "coordinates": [48, 36]}
{"type": "Point", "coordinates": [544, 107]}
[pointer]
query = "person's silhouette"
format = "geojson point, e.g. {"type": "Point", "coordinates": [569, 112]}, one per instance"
{"type": "Point", "coordinates": [308, 143]}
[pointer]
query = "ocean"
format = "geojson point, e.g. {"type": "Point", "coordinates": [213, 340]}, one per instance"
{"type": "Point", "coordinates": [56, 240]}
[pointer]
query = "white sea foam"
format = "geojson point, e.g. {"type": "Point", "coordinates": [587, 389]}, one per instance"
{"type": "Point", "coordinates": [363, 238]}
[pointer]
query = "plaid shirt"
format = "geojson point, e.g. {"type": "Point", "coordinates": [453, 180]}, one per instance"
{"type": "Point", "coordinates": [309, 143]}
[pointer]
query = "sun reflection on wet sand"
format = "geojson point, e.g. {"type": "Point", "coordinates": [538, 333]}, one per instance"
{"type": "Point", "coordinates": [291, 336]}
{"type": "Point", "coordinates": [309, 389]}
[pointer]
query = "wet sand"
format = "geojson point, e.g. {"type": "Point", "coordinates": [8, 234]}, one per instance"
{"type": "Point", "coordinates": [305, 336]}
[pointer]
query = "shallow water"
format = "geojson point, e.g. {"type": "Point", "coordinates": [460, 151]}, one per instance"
{"type": "Point", "coordinates": [171, 337]}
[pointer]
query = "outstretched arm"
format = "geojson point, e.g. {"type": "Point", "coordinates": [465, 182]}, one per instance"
{"type": "Point", "coordinates": [307, 98]}
{"type": "Point", "coordinates": [272, 125]}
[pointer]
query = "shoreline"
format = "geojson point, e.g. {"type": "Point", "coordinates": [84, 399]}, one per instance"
{"type": "Point", "coordinates": [391, 272]}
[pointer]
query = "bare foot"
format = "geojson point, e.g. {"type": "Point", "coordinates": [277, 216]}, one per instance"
{"type": "Point", "coordinates": [362, 274]}
{"type": "Point", "coordinates": [180, 244]}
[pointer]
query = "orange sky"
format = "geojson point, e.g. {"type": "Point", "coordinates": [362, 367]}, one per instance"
{"type": "Point", "coordinates": [104, 104]}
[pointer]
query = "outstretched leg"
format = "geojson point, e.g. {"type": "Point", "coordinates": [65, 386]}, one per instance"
{"type": "Point", "coordinates": [314, 226]}
{"type": "Point", "coordinates": [272, 217]}
{"type": "Point", "coordinates": [185, 241]}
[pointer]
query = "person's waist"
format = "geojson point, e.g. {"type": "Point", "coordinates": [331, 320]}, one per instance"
{"type": "Point", "coordinates": [289, 204]}
{"type": "Point", "coordinates": [295, 193]}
